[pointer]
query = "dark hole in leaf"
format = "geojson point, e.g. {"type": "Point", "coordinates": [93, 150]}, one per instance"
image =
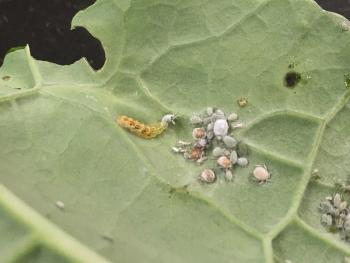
{"type": "Point", "coordinates": [45, 26]}
{"type": "Point", "coordinates": [291, 79]}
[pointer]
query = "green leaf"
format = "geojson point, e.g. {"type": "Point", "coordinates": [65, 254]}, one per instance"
{"type": "Point", "coordinates": [127, 199]}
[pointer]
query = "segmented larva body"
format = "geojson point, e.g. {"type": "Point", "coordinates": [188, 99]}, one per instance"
{"type": "Point", "coordinates": [140, 129]}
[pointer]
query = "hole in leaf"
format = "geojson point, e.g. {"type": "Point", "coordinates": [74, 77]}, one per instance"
{"type": "Point", "coordinates": [291, 79]}
{"type": "Point", "coordinates": [46, 27]}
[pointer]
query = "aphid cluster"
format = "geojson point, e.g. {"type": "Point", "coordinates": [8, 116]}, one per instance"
{"type": "Point", "coordinates": [213, 133]}
{"type": "Point", "coordinates": [335, 215]}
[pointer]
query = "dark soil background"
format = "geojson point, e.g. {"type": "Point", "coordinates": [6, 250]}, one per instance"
{"type": "Point", "coordinates": [45, 26]}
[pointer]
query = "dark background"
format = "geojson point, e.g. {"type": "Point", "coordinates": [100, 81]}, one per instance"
{"type": "Point", "coordinates": [45, 26]}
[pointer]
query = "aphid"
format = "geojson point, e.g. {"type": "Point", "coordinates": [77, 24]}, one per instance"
{"type": "Point", "coordinates": [242, 102]}
{"type": "Point", "coordinates": [220, 127]}
{"type": "Point", "coordinates": [242, 161]}
{"type": "Point", "coordinates": [209, 111]}
{"type": "Point", "coordinates": [183, 143]}
{"type": "Point", "coordinates": [217, 152]}
{"type": "Point", "coordinates": [210, 135]}
{"type": "Point", "coordinates": [210, 126]}
{"type": "Point", "coordinates": [224, 162]}
{"type": "Point", "coordinates": [178, 150]}
{"type": "Point", "coordinates": [326, 207]}
{"type": "Point", "coordinates": [194, 154]}
{"type": "Point", "coordinates": [233, 157]}
{"type": "Point", "coordinates": [60, 205]}
{"type": "Point", "coordinates": [146, 131]}
{"type": "Point", "coordinates": [230, 141]}
{"type": "Point", "coordinates": [228, 175]}
{"type": "Point", "coordinates": [207, 176]}
{"type": "Point", "coordinates": [198, 133]}
{"type": "Point", "coordinates": [232, 117]}
{"type": "Point", "coordinates": [195, 119]}
{"type": "Point", "coordinates": [337, 200]}
{"type": "Point", "coordinates": [326, 220]}
{"type": "Point", "coordinates": [261, 174]}
{"type": "Point", "coordinates": [237, 125]}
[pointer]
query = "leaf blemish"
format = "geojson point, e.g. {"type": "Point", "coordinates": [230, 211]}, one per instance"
{"type": "Point", "coordinates": [291, 79]}
{"type": "Point", "coordinates": [6, 78]}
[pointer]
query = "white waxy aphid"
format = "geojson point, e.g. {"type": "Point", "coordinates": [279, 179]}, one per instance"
{"type": "Point", "coordinates": [178, 150]}
{"type": "Point", "coordinates": [337, 200]}
{"type": "Point", "coordinates": [229, 141]}
{"type": "Point", "coordinates": [224, 162]}
{"type": "Point", "coordinates": [220, 127]}
{"type": "Point", "coordinates": [217, 152]}
{"type": "Point", "coordinates": [210, 111]}
{"type": "Point", "coordinates": [195, 119]}
{"type": "Point", "coordinates": [207, 176]}
{"type": "Point", "coordinates": [242, 161]}
{"type": "Point", "coordinates": [60, 205]}
{"type": "Point", "coordinates": [233, 157]}
{"type": "Point", "coordinates": [228, 175]}
{"type": "Point", "coordinates": [232, 117]}
{"type": "Point", "coordinates": [261, 174]}
{"type": "Point", "coordinates": [169, 118]}
{"type": "Point", "coordinates": [210, 126]}
{"type": "Point", "coordinates": [183, 143]}
{"type": "Point", "coordinates": [198, 133]}
{"type": "Point", "coordinates": [326, 220]}
{"type": "Point", "coordinates": [237, 125]}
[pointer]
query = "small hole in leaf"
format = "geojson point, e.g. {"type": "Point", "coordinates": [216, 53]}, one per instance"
{"type": "Point", "coordinates": [291, 79]}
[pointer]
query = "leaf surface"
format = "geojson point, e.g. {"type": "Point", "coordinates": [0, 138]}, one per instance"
{"type": "Point", "coordinates": [131, 200]}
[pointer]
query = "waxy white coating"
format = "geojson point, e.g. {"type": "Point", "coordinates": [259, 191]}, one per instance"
{"type": "Point", "coordinates": [220, 127]}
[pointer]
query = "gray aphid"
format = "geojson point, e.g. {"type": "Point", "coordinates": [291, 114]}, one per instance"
{"type": "Point", "coordinates": [217, 152]}
{"type": "Point", "coordinates": [210, 126]}
{"type": "Point", "coordinates": [232, 117]}
{"type": "Point", "coordinates": [195, 119]}
{"type": "Point", "coordinates": [242, 161]}
{"type": "Point", "coordinates": [326, 220]}
{"type": "Point", "coordinates": [233, 157]}
{"type": "Point", "coordinates": [229, 175]}
{"type": "Point", "coordinates": [230, 141]}
{"type": "Point", "coordinates": [210, 111]}
{"type": "Point", "coordinates": [210, 135]}
{"type": "Point", "coordinates": [337, 200]}
{"type": "Point", "coordinates": [326, 207]}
